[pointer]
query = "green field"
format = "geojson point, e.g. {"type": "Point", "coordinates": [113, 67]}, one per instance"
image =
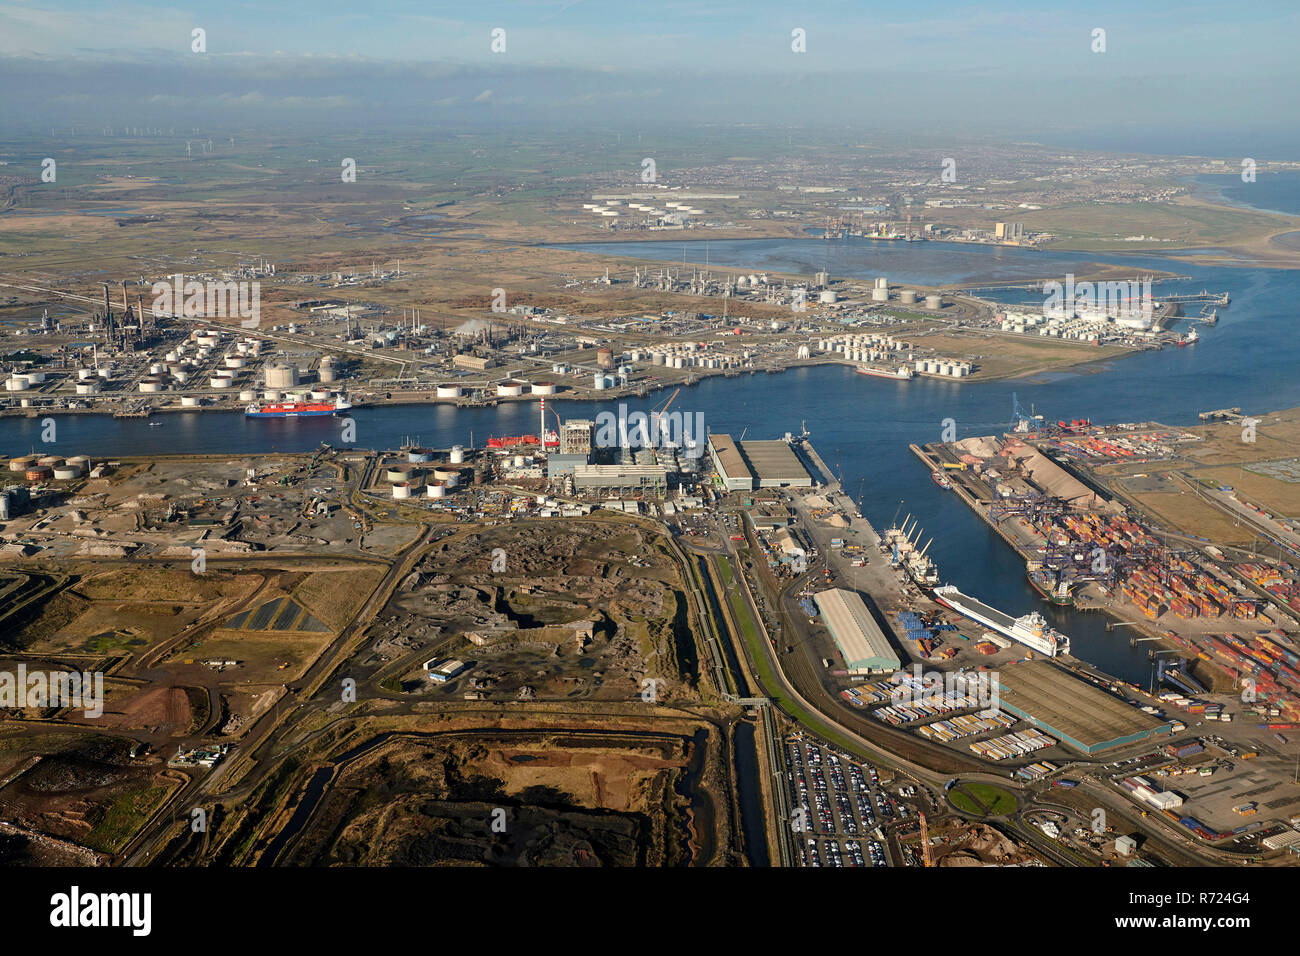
{"type": "Point", "coordinates": [982, 799]}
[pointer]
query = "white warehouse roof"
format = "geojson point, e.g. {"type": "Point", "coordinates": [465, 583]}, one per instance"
{"type": "Point", "coordinates": [856, 633]}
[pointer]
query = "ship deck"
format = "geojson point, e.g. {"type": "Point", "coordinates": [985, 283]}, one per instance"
{"type": "Point", "coordinates": [979, 607]}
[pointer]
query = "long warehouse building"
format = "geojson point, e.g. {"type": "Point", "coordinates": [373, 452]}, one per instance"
{"type": "Point", "coordinates": [865, 648]}
{"type": "Point", "coordinates": [746, 466]}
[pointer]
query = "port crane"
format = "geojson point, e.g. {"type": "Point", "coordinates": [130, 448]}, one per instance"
{"type": "Point", "coordinates": [658, 414]}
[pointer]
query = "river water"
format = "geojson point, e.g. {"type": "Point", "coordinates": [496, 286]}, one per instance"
{"type": "Point", "coordinates": [860, 425]}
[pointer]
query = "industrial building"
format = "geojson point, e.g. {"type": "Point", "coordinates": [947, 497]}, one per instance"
{"type": "Point", "coordinates": [745, 466]}
{"type": "Point", "coordinates": [1085, 717]}
{"type": "Point", "coordinates": [643, 477]}
{"type": "Point", "coordinates": [575, 437]}
{"type": "Point", "coordinates": [863, 644]}
{"type": "Point", "coordinates": [442, 670]}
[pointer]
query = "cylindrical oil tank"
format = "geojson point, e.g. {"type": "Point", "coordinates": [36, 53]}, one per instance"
{"type": "Point", "coordinates": [933, 302]}
{"type": "Point", "coordinates": [50, 461]}
{"type": "Point", "coordinates": [328, 373]}
{"type": "Point", "coordinates": [80, 461]}
{"type": "Point", "coordinates": [221, 380]}
{"type": "Point", "coordinates": [401, 490]}
{"type": "Point", "coordinates": [67, 472]}
{"type": "Point", "coordinates": [449, 476]}
{"type": "Point", "coordinates": [233, 361]}
{"type": "Point", "coordinates": [879, 294]}
{"type": "Point", "coordinates": [448, 391]}
{"type": "Point", "coordinates": [510, 389]}
{"type": "Point", "coordinates": [35, 377]}
{"type": "Point", "coordinates": [39, 473]}
{"type": "Point", "coordinates": [399, 473]}
{"type": "Point", "coordinates": [907, 297]}
{"type": "Point", "coordinates": [150, 385]}
{"type": "Point", "coordinates": [85, 373]}
{"type": "Point", "coordinates": [419, 456]}
{"type": "Point", "coordinates": [189, 401]}
{"type": "Point", "coordinates": [17, 383]}
{"type": "Point", "coordinates": [598, 381]}
{"type": "Point", "coordinates": [457, 456]}
{"type": "Point", "coordinates": [88, 388]}
{"type": "Point", "coordinates": [281, 375]}
{"type": "Point", "coordinates": [544, 388]}
{"type": "Point", "coordinates": [436, 489]}
{"type": "Point", "coordinates": [22, 463]}
{"type": "Point", "coordinates": [247, 395]}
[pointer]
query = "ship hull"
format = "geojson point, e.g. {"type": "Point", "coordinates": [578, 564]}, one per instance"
{"type": "Point", "coordinates": [1049, 593]}
{"type": "Point", "coordinates": [997, 621]}
{"type": "Point", "coordinates": [882, 373]}
{"type": "Point", "coordinates": [311, 414]}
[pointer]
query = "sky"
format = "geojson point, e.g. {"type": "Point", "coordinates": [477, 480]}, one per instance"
{"type": "Point", "coordinates": [1213, 78]}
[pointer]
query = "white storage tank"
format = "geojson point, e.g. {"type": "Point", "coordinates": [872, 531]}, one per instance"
{"type": "Point", "coordinates": [436, 489]}
{"type": "Point", "coordinates": [150, 385]}
{"type": "Point", "coordinates": [233, 361]}
{"type": "Point", "coordinates": [598, 381]}
{"type": "Point", "coordinates": [85, 373]}
{"type": "Point", "coordinates": [17, 383]}
{"type": "Point", "coordinates": [510, 389]}
{"type": "Point", "coordinates": [67, 472]}
{"type": "Point", "coordinates": [447, 391]}
{"type": "Point", "coordinates": [189, 401]}
{"type": "Point", "coordinates": [401, 490]}
{"type": "Point", "coordinates": [221, 380]}
{"type": "Point", "coordinates": [545, 388]}
{"type": "Point", "coordinates": [281, 375]}
{"type": "Point", "coordinates": [457, 454]}
{"type": "Point", "coordinates": [88, 388]}
{"type": "Point", "coordinates": [248, 395]}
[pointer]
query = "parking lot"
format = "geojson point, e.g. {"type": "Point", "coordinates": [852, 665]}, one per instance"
{"type": "Point", "coordinates": [839, 807]}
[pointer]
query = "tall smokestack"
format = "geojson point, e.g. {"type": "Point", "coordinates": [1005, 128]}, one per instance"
{"type": "Point", "coordinates": [124, 305]}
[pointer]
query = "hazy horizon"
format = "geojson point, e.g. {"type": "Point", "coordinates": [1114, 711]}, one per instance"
{"type": "Point", "coordinates": [1212, 83]}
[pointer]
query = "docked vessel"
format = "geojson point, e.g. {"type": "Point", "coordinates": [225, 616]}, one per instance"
{"type": "Point", "coordinates": [908, 557]}
{"type": "Point", "coordinates": [1031, 629]}
{"type": "Point", "coordinates": [1051, 585]}
{"type": "Point", "coordinates": [548, 440]}
{"type": "Point", "coordinates": [942, 480]}
{"type": "Point", "coordinates": [1191, 338]}
{"type": "Point", "coordinates": [902, 373]}
{"type": "Point", "coordinates": [334, 406]}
